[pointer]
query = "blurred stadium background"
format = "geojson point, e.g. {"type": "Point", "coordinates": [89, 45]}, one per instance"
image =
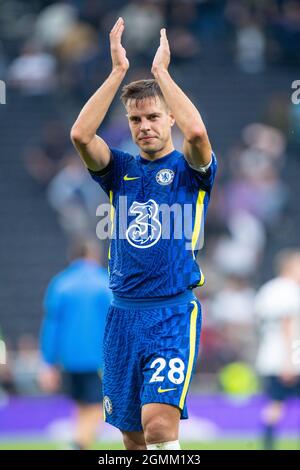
{"type": "Point", "coordinates": [237, 60]}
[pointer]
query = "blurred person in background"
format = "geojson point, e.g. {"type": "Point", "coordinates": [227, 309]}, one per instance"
{"type": "Point", "coordinates": [143, 20]}
{"type": "Point", "coordinates": [76, 304]}
{"type": "Point", "coordinates": [26, 365]}
{"type": "Point", "coordinates": [33, 72]}
{"type": "Point", "coordinates": [232, 313]}
{"type": "Point", "coordinates": [277, 307]}
{"type": "Point", "coordinates": [74, 197]}
{"type": "Point", "coordinates": [45, 156]}
{"type": "Point", "coordinates": [7, 384]}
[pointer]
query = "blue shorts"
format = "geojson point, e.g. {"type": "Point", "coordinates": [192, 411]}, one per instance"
{"type": "Point", "coordinates": [84, 387]}
{"type": "Point", "coordinates": [150, 351]}
{"type": "Point", "coordinates": [278, 390]}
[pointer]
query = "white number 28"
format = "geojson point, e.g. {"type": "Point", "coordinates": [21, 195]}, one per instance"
{"type": "Point", "coordinates": [176, 370]}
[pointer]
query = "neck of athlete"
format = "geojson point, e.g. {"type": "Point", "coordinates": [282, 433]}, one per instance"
{"type": "Point", "coordinates": [156, 154]}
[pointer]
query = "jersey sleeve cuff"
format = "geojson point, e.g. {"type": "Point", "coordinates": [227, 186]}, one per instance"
{"type": "Point", "coordinates": [105, 170]}
{"type": "Point", "coordinates": [200, 168]}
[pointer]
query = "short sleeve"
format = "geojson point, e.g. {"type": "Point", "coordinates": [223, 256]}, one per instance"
{"type": "Point", "coordinates": [203, 179]}
{"type": "Point", "coordinates": [109, 178]}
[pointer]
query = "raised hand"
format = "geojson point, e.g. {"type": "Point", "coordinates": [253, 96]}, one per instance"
{"type": "Point", "coordinates": [161, 60]}
{"type": "Point", "coordinates": [118, 53]}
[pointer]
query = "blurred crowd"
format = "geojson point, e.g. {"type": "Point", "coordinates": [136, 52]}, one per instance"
{"type": "Point", "coordinates": [54, 56]}
{"type": "Point", "coordinates": [48, 47]}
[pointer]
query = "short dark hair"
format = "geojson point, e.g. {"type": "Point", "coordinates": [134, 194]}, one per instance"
{"type": "Point", "coordinates": [140, 90]}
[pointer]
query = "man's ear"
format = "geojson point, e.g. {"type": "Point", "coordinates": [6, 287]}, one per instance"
{"type": "Point", "coordinates": [172, 119]}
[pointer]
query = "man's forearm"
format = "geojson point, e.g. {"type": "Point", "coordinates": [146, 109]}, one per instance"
{"type": "Point", "coordinates": [186, 115]}
{"type": "Point", "coordinates": [94, 111]}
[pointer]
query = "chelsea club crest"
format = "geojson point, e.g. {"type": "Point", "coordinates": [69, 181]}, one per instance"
{"type": "Point", "coordinates": [107, 405]}
{"type": "Point", "coordinates": [165, 176]}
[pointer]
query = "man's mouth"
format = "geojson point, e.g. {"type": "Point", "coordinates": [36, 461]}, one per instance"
{"type": "Point", "coordinates": [147, 138]}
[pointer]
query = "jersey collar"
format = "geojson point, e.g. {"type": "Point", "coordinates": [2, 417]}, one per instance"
{"type": "Point", "coordinates": [144, 161]}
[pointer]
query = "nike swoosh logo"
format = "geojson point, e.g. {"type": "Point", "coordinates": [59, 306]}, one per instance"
{"type": "Point", "coordinates": [163, 390]}
{"type": "Point", "coordinates": [129, 178]}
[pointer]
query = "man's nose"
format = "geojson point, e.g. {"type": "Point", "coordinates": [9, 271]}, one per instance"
{"type": "Point", "coordinates": [145, 125]}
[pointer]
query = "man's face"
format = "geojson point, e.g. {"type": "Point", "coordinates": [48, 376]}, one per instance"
{"type": "Point", "coordinates": [150, 123]}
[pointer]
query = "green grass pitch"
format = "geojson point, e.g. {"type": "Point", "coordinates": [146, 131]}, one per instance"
{"type": "Point", "coordinates": [250, 444]}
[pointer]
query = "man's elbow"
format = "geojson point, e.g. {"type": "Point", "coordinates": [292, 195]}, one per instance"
{"type": "Point", "coordinates": [197, 135]}
{"type": "Point", "coordinates": [78, 137]}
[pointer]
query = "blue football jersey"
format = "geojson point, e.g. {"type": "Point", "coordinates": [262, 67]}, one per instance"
{"type": "Point", "coordinates": [159, 208]}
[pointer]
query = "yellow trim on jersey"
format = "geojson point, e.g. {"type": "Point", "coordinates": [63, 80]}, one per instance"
{"type": "Point", "coordinates": [202, 279]}
{"type": "Point", "coordinates": [112, 216]}
{"type": "Point", "coordinates": [198, 219]}
{"type": "Point", "coordinates": [193, 323]}
{"type": "Point", "coordinates": [197, 227]}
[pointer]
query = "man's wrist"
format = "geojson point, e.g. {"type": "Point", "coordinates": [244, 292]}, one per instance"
{"type": "Point", "coordinates": [159, 71]}
{"type": "Point", "coordinates": [119, 72]}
